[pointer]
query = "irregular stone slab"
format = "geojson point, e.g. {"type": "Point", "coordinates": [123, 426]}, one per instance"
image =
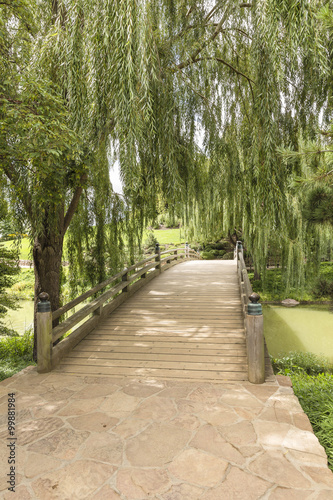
{"type": "Point", "coordinates": [183, 492]}
{"type": "Point", "coordinates": [297, 439]}
{"type": "Point", "coordinates": [247, 413]}
{"type": "Point", "coordinates": [250, 450]}
{"type": "Point", "coordinates": [187, 406]}
{"type": "Point", "coordinates": [61, 444]}
{"type": "Point", "coordinates": [186, 422]}
{"type": "Point", "coordinates": [325, 495]}
{"type": "Point", "coordinates": [95, 391]}
{"type": "Point", "coordinates": [287, 401]}
{"type": "Point", "coordinates": [271, 435]}
{"type": "Point", "coordinates": [104, 447]}
{"type": "Point", "coordinates": [219, 414]}
{"type": "Point", "coordinates": [321, 475]}
{"type": "Point", "coordinates": [238, 485]}
{"type": "Point", "coordinates": [143, 390]}
{"type": "Point", "coordinates": [177, 392]}
{"type": "Point", "coordinates": [209, 439]}
{"type": "Point", "coordinates": [274, 467]}
{"type": "Point", "coordinates": [262, 392]}
{"type": "Point", "coordinates": [301, 420]}
{"type": "Point", "coordinates": [90, 379]}
{"type": "Point", "coordinates": [157, 445]}
{"type": "Point", "coordinates": [32, 430]}
{"type": "Point", "coordinates": [241, 398]}
{"type": "Point", "coordinates": [81, 406]}
{"type": "Point", "coordinates": [60, 380]}
{"type": "Point", "coordinates": [44, 409]}
{"type": "Point", "coordinates": [195, 466]}
{"type": "Point", "coordinates": [288, 494]}
{"type": "Point", "coordinates": [37, 463]}
{"type": "Point", "coordinates": [284, 380]}
{"type": "Point", "coordinates": [120, 404]}
{"type": "Point", "coordinates": [106, 493]}
{"type": "Point", "coordinates": [74, 482]}
{"type": "Point", "coordinates": [130, 426]}
{"type": "Point", "coordinates": [239, 434]}
{"type": "Point", "coordinates": [21, 493]}
{"type": "Point", "coordinates": [308, 458]}
{"type": "Point", "coordinates": [139, 484]}
{"type": "Point", "coordinates": [94, 422]}
{"type": "Point", "coordinates": [156, 408]}
{"type": "Point", "coordinates": [58, 394]}
{"type": "Point", "coordinates": [207, 394]}
{"type": "Point", "coordinates": [273, 414]}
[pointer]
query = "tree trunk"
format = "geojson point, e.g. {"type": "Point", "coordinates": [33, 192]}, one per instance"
{"type": "Point", "coordinates": [47, 255]}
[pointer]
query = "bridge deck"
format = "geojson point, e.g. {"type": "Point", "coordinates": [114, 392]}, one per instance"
{"type": "Point", "coordinates": [185, 324]}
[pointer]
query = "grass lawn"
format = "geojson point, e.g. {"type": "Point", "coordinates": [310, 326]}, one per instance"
{"type": "Point", "coordinates": [163, 236]}
{"type": "Point", "coordinates": [24, 250]}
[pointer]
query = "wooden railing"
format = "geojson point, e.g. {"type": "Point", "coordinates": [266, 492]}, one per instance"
{"type": "Point", "coordinates": [127, 282]}
{"type": "Point", "coordinates": [253, 321]}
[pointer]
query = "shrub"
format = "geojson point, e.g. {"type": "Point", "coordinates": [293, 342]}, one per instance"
{"type": "Point", "coordinates": [208, 255]}
{"type": "Point", "coordinates": [313, 385]}
{"type": "Point", "coordinates": [17, 348]}
{"type": "Point", "coordinates": [323, 288]}
{"type": "Point", "coordinates": [150, 242]}
{"type": "Point", "coordinates": [301, 362]}
{"type": "Point", "coordinates": [228, 256]}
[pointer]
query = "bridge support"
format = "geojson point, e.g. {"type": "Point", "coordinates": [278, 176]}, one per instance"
{"type": "Point", "coordinates": [158, 258]}
{"type": "Point", "coordinates": [255, 341]}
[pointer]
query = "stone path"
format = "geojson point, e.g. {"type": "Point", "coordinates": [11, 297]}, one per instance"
{"type": "Point", "coordinates": [119, 438]}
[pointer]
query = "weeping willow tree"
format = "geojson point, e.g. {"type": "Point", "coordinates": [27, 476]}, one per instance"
{"type": "Point", "coordinates": [147, 81]}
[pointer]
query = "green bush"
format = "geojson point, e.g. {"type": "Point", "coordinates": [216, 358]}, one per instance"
{"type": "Point", "coordinates": [228, 256]}
{"type": "Point", "coordinates": [301, 362]}
{"type": "Point", "coordinates": [312, 381]}
{"type": "Point", "coordinates": [315, 394]}
{"type": "Point", "coordinates": [323, 288]}
{"type": "Point", "coordinates": [150, 242]}
{"type": "Point", "coordinates": [16, 353]}
{"type": "Point", "coordinates": [208, 255]}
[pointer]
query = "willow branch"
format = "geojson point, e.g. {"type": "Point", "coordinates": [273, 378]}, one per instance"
{"type": "Point", "coordinates": [14, 179]}
{"type": "Point", "coordinates": [210, 39]}
{"type": "Point", "coordinates": [74, 203]}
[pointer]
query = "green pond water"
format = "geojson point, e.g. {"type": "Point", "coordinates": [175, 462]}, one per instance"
{"type": "Point", "coordinates": [300, 328]}
{"type": "Point", "coordinates": [21, 318]}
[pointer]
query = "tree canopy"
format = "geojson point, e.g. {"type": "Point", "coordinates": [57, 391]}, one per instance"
{"type": "Point", "coordinates": [205, 104]}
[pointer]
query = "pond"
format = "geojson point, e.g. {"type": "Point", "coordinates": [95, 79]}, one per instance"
{"type": "Point", "coordinates": [301, 328]}
{"type": "Point", "coordinates": [21, 318]}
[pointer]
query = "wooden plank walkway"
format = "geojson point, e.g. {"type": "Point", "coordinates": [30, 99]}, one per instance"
{"type": "Point", "coordinates": [187, 323]}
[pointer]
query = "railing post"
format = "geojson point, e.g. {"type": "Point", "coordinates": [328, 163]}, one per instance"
{"type": "Point", "coordinates": [255, 340]}
{"type": "Point", "coordinates": [175, 253]}
{"type": "Point", "coordinates": [44, 334]}
{"type": "Point", "coordinates": [158, 258]}
{"type": "Point", "coordinates": [124, 278]}
{"type": "Point", "coordinates": [186, 250]}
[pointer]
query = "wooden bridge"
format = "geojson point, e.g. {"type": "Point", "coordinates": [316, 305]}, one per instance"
{"type": "Point", "coordinates": [188, 323]}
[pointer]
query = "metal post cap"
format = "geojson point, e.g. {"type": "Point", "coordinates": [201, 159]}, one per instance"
{"type": "Point", "coordinates": [253, 307]}
{"type": "Point", "coordinates": [44, 305]}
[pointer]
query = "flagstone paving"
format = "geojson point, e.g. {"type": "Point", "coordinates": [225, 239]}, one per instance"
{"type": "Point", "coordinates": [103, 438]}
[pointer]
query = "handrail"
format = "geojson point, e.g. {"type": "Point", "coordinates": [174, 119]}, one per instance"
{"type": "Point", "coordinates": [253, 321]}
{"type": "Point", "coordinates": [49, 355]}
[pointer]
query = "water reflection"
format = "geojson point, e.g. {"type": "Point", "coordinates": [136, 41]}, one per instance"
{"type": "Point", "coordinates": [301, 328]}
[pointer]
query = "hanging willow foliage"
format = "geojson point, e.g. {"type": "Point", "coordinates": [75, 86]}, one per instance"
{"type": "Point", "coordinates": [194, 98]}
